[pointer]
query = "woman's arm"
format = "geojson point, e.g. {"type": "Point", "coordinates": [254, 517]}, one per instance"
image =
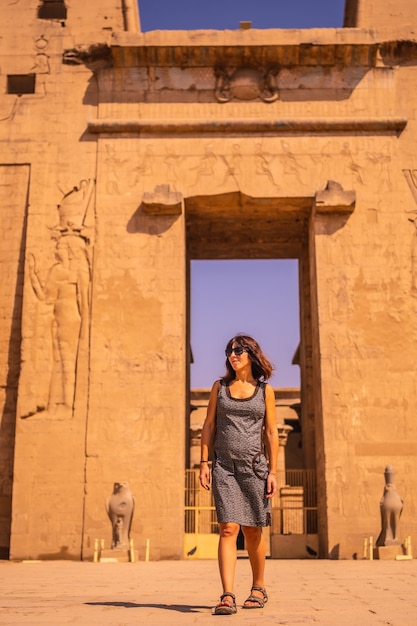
{"type": "Point", "coordinates": [271, 440]}
{"type": "Point", "coordinates": [207, 436]}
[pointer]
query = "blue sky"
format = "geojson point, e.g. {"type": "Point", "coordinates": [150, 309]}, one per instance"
{"type": "Point", "coordinates": [256, 297]}
{"type": "Point", "coordinates": [227, 14]}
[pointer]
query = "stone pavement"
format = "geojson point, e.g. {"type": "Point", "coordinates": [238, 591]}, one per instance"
{"type": "Point", "coordinates": [317, 592]}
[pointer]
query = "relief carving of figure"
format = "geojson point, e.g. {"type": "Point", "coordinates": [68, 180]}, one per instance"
{"type": "Point", "coordinates": [120, 507]}
{"type": "Point", "coordinates": [233, 166]}
{"type": "Point", "coordinates": [145, 165]}
{"type": "Point", "coordinates": [351, 166]}
{"type": "Point", "coordinates": [290, 162]}
{"type": "Point", "coordinates": [391, 506]}
{"type": "Point", "coordinates": [263, 163]}
{"type": "Point", "coordinates": [205, 166]}
{"type": "Point", "coordinates": [67, 290]}
{"type": "Point", "coordinates": [114, 166]}
{"type": "Point", "coordinates": [172, 161]}
{"type": "Point", "coordinates": [383, 161]}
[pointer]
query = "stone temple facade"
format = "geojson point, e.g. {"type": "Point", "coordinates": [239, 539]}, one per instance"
{"type": "Point", "coordinates": [124, 155]}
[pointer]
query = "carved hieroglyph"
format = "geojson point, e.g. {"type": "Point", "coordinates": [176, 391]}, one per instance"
{"type": "Point", "coordinates": [66, 290]}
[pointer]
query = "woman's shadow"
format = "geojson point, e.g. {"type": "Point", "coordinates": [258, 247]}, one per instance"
{"type": "Point", "coordinates": [180, 608]}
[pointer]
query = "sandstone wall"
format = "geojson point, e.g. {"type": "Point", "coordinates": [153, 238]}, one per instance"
{"type": "Point", "coordinates": [354, 275]}
{"type": "Point", "coordinates": [40, 156]}
{"type": "Point", "coordinates": [389, 15]}
{"type": "Point", "coordinates": [14, 195]}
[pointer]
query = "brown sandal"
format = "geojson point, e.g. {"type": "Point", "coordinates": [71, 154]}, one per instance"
{"type": "Point", "coordinates": [259, 603]}
{"type": "Point", "coordinates": [224, 607]}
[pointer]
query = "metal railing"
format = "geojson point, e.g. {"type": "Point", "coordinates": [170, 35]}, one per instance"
{"type": "Point", "coordinates": [295, 511]}
{"type": "Point", "coordinates": [200, 513]}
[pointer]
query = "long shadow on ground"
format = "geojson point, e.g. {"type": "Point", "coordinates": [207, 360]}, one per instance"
{"type": "Point", "coordinates": [181, 608]}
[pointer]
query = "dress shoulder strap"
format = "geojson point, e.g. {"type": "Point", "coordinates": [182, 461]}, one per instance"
{"type": "Point", "coordinates": [222, 384]}
{"type": "Point", "coordinates": [262, 385]}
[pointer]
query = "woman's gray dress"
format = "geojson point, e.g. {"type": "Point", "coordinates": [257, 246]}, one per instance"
{"type": "Point", "coordinates": [240, 468]}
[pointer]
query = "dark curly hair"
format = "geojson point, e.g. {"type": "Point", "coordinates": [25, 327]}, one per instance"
{"type": "Point", "coordinates": [262, 367]}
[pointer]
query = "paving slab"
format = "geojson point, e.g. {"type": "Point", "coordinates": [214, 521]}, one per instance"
{"type": "Point", "coordinates": [316, 592]}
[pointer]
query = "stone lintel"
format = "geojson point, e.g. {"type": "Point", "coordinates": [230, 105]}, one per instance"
{"type": "Point", "coordinates": [162, 201]}
{"type": "Point", "coordinates": [256, 36]}
{"type": "Point", "coordinates": [302, 55]}
{"type": "Point", "coordinates": [393, 125]}
{"type": "Point", "coordinates": [267, 47]}
{"type": "Point", "coordinates": [334, 199]}
{"type": "Point", "coordinates": [179, 49]}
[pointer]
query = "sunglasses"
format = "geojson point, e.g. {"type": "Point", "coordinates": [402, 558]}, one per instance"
{"type": "Point", "coordinates": [238, 351]}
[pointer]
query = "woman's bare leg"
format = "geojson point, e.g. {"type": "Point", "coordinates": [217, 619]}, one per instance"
{"type": "Point", "coordinates": [255, 545]}
{"type": "Point", "coordinates": [227, 554]}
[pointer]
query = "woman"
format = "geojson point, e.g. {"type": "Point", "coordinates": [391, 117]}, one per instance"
{"type": "Point", "coordinates": [240, 419]}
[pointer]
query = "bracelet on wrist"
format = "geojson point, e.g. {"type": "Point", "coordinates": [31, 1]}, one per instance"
{"type": "Point", "coordinates": [203, 461]}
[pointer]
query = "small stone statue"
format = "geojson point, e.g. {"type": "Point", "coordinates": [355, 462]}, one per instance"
{"type": "Point", "coordinates": [120, 508]}
{"type": "Point", "coordinates": [391, 506]}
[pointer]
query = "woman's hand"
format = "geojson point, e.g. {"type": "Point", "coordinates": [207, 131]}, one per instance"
{"type": "Point", "coordinates": [207, 436]}
{"type": "Point", "coordinates": [205, 475]}
{"type": "Point", "coordinates": [271, 485]}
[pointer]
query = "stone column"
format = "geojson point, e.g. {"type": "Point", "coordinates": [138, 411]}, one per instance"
{"type": "Point", "coordinates": [283, 432]}
{"type": "Point", "coordinates": [195, 447]}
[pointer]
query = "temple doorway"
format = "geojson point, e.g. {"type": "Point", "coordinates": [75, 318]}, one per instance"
{"type": "Point", "coordinates": [237, 228]}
